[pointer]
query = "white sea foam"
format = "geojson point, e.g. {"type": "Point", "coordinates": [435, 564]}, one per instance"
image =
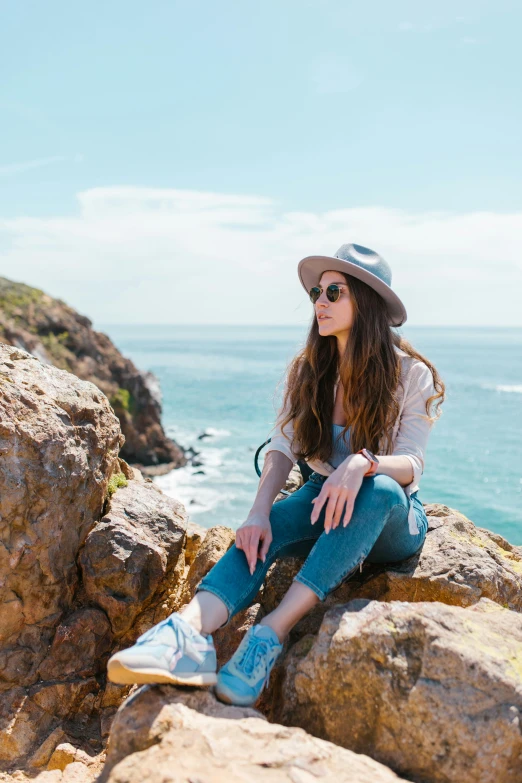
{"type": "Point", "coordinates": [191, 490]}
{"type": "Point", "coordinates": [217, 433]}
{"type": "Point", "coordinates": [515, 388]}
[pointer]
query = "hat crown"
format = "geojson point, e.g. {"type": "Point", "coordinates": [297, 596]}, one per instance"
{"type": "Point", "coordinates": [366, 259]}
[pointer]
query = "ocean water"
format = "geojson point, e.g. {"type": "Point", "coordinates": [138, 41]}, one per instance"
{"type": "Point", "coordinates": [225, 381]}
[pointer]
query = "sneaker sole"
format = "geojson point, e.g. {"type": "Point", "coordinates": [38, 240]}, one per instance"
{"type": "Point", "coordinates": [228, 698]}
{"type": "Point", "coordinates": [123, 675]}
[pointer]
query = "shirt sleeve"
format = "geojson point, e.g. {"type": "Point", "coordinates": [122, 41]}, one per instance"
{"type": "Point", "coordinates": [278, 440]}
{"type": "Point", "coordinates": [414, 429]}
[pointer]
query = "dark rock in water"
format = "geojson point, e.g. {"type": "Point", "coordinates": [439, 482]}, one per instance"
{"type": "Point", "coordinates": [155, 470]}
{"type": "Point", "coordinates": [199, 473]}
{"type": "Point", "coordinates": [196, 463]}
{"type": "Point", "coordinates": [204, 435]}
{"type": "Point", "coordinates": [56, 334]}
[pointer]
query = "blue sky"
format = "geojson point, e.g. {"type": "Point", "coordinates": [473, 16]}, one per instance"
{"type": "Point", "coordinates": [145, 146]}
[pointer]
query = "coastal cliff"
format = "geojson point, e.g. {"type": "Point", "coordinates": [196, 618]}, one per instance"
{"type": "Point", "coordinates": [411, 671]}
{"type": "Point", "coordinates": [56, 334]}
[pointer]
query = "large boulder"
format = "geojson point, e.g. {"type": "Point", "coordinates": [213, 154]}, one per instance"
{"type": "Point", "coordinates": [433, 691]}
{"type": "Point", "coordinates": [161, 729]}
{"type": "Point", "coordinates": [131, 552]}
{"type": "Point", "coordinates": [59, 443]}
{"type": "Point", "coordinates": [89, 551]}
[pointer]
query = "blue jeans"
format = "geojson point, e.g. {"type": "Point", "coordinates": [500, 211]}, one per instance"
{"type": "Point", "coordinates": [377, 532]}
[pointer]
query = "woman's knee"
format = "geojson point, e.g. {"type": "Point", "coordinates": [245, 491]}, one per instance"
{"type": "Point", "coordinates": [384, 489]}
{"type": "Point", "coordinates": [285, 516]}
{"type": "Point", "coordinates": [278, 519]}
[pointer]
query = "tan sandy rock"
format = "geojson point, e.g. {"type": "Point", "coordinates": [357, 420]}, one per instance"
{"type": "Point", "coordinates": [59, 441]}
{"type": "Point", "coordinates": [195, 536]}
{"type": "Point", "coordinates": [216, 542]}
{"type": "Point", "coordinates": [169, 734]}
{"type": "Point", "coordinates": [130, 552]}
{"type": "Point", "coordinates": [433, 691]}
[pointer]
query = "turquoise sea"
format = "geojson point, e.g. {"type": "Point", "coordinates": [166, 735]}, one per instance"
{"type": "Point", "coordinates": [221, 380]}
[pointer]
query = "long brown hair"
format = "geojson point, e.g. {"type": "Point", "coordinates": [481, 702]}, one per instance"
{"type": "Point", "coordinates": [370, 373]}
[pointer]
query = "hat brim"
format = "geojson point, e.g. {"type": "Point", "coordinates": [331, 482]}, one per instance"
{"type": "Point", "coordinates": [311, 268]}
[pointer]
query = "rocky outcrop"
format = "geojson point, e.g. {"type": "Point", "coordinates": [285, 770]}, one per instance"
{"type": "Point", "coordinates": [433, 691]}
{"type": "Point", "coordinates": [56, 334]}
{"type": "Point", "coordinates": [417, 665]}
{"type": "Point", "coordinates": [162, 729]}
{"type": "Point", "coordinates": [59, 442]}
{"type": "Point", "coordinates": [88, 549]}
{"type": "Point", "coordinates": [130, 553]}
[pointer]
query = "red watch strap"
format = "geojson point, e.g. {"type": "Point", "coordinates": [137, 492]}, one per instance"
{"type": "Point", "coordinates": [373, 462]}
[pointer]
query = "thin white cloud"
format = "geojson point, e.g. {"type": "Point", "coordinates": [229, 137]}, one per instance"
{"type": "Point", "coordinates": [153, 255]}
{"type": "Point", "coordinates": [15, 168]}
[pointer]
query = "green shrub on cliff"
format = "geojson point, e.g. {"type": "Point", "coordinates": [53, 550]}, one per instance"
{"type": "Point", "coordinates": [116, 481]}
{"type": "Point", "coordinates": [123, 400]}
{"type": "Point", "coordinates": [17, 298]}
{"type": "Point", "coordinates": [55, 346]}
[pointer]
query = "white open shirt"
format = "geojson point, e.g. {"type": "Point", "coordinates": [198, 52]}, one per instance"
{"type": "Point", "coordinates": [409, 435]}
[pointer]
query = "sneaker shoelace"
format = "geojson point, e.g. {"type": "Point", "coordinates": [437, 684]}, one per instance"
{"type": "Point", "coordinates": [185, 641]}
{"type": "Point", "coordinates": [253, 657]}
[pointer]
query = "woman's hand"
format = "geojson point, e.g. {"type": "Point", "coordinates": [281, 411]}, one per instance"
{"type": "Point", "coordinates": [255, 529]}
{"type": "Point", "coordinates": [340, 488]}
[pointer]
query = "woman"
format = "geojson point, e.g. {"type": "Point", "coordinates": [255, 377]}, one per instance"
{"type": "Point", "coordinates": [356, 388]}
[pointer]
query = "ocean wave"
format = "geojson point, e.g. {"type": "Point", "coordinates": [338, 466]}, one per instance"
{"type": "Point", "coordinates": [191, 436]}
{"type": "Point", "coordinates": [192, 490]}
{"type": "Point", "coordinates": [505, 387]}
{"type": "Point", "coordinates": [217, 433]}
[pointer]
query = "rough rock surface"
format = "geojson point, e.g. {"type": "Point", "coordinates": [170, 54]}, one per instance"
{"type": "Point", "coordinates": [433, 691]}
{"type": "Point", "coordinates": [56, 334]}
{"type": "Point", "coordinates": [88, 563]}
{"type": "Point", "coordinates": [165, 733]}
{"type": "Point", "coordinates": [217, 541]}
{"type": "Point", "coordinates": [131, 551]}
{"type": "Point", "coordinates": [59, 441]}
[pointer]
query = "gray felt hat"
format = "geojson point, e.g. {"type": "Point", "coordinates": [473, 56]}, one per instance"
{"type": "Point", "coordinates": [360, 262]}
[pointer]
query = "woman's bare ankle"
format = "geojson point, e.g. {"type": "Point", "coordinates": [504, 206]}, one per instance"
{"type": "Point", "coordinates": [205, 612]}
{"type": "Point", "coordinates": [279, 630]}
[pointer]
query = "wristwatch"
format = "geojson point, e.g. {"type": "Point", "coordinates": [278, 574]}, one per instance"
{"type": "Point", "coordinates": [374, 462]}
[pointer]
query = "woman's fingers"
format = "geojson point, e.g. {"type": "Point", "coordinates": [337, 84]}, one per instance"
{"type": "Point", "coordinates": [348, 512]}
{"type": "Point", "coordinates": [318, 504]}
{"type": "Point", "coordinates": [251, 548]}
{"type": "Point", "coordinates": [333, 501]}
{"type": "Point", "coordinates": [341, 500]}
{"type": "Point", "coordinates": [267, 540]}
{"type": "Point", "coordinates": [252, 535]}
{"type": "Point", "coordinates": [336, 501]}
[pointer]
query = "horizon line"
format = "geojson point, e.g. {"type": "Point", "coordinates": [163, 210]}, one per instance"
{"type": "Point", "coordinates": [298, 326]}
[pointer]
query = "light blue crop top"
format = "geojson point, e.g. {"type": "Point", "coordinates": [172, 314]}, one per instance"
{"type": "Point", "coordinates": [341, 446]}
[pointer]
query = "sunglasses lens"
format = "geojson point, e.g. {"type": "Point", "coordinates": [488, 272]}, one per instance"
{"type": "Point", "coordinates": [315, 293]}
{"type": "Point", "coordinates": [333, 292]}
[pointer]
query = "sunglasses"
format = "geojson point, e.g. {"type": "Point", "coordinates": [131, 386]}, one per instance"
{"type": "Point", "coordinates": [333, 292]}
